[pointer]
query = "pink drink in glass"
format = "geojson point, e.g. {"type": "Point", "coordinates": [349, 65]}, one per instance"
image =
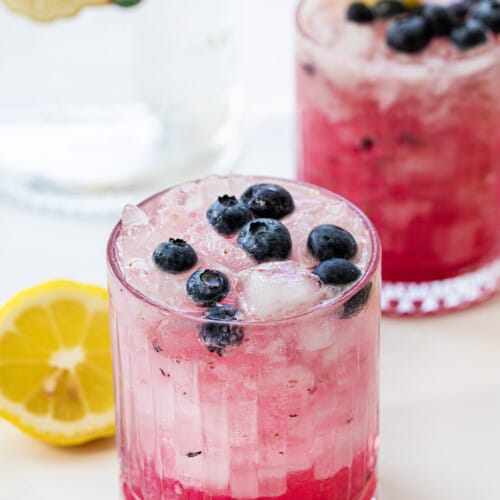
{"type": "Point", "coordinates": [412, 139]}
{"type": "Point", "coordinates": [289, 410]}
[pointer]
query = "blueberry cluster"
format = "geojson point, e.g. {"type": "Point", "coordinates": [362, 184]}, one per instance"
{"type": "Point", "coordinates": [333, 246]}
{"type": "Point", "coordinates": [264, 238]}
{"type": "Point", "coordinates": [464, 23]}
{"type": "Point", "coordinates": [255, 216]}
{"type": "Point", "coordinates": [205, 287]}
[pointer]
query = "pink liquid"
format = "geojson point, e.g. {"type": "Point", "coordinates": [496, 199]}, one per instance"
{"type": "Point", "coordinates": [422, 163]}
{"type": "Point", "coordinates": [291, 413]}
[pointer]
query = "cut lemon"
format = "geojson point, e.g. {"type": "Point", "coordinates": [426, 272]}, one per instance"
{"type": "Point", "coordinates": [55, 363]}
{"type": "Point", "coordinates": [48, 10]}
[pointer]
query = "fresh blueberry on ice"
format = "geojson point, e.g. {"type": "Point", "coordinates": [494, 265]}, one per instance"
{"type": "Point", "coordinates": [218, 334]}
{"type": "Point", "coordinates": [354, 305]}
{"type": "Point", "coordinates": [328, 241]}
{"type": "Point", "coordinates": [438, 18]}
{"type": "Point", "coordinates": [470, 35]}
{"type": "Point", "coordinates": [268, 200]}
{"type": "Point", "coordinates": [409, 35]}
{"type": "Point", "coordinates": [385, 9]}
{"type": "Point", "coordinates": [337, 272]}
{"type": "Point", "coordinates": [228, 215]}
{"type": "Point", "coordinates": [359, 12]}
{"type": "Point", "coordinates": [265, 239]}
{"type": "Point", "coordinates": [206, 287]}
{"type": "Point", "coordinates": [488, 12]}
{"type": "Point", "coordinates": [174, 256]}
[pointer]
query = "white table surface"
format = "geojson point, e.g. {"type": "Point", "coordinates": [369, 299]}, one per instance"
{"type": "Point", "coordinates": [440, 377]}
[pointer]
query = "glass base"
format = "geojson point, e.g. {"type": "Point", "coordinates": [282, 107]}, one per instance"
{"type": "Point", "coordinates": [88, 160]}
{"type": "Point", "coordinates": [440, 296]}
{"type": "Point", "coordinates": [108, 199]}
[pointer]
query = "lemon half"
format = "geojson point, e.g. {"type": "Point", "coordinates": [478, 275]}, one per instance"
{"type": "Point", "coordinates": [55, 363]}
{"type": "Point", "coordinates": [48, 10]}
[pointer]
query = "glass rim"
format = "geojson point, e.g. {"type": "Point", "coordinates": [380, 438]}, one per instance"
{"type": "Point", "coordinates": [342, 298]}
{"type": "Point", "coordinates": [301, 30]}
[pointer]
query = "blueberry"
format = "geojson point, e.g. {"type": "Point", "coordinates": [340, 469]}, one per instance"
{"type": "Point", "coordinates": [309, 68]}
{"type": "Point", "coordinates": [409, 35]}
{"type": "Point", "coordinates": [468, 36]}
{"type": "Point", "coordinates": [356, 302]}
{"type": "Point", "coordinates": [265, 239]}
{"type": "Point", "coordinates": [385, 9]}
{"type": "Point", "coordinates": [217, 335]}
{"type": "Point", "coordinates": [228, 215]}
{"type": "Point", "coordinates": [268, 200]}
{"type": "Point", "coordinates": [328, 241]}
{"type": "Point", "coordinates": [458, 12]}
{"type": "Point", "coordinates": [337, 272]}
{"type": "Point", "coordinates": [206, 287]}
{"type": "Point", "coordinates": [488, 13]}
{"type": "Point", "coordinates": [360, 13]}
{"type": "Point", "coordinates": [174, 256]}
{"type": "Point", "coordinates": [439, 19]}
{"type": "Point", "coordinates": [366, 143]}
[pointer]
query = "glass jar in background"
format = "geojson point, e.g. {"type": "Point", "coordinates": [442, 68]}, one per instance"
{"type": "Point", "coordinates": [100, 102]}
{"type": "Point", "coordinates": [410, 133]}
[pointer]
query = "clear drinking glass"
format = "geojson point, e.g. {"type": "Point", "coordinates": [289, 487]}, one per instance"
{"type": "Point", "coordinates": [290, 412]}
{"type": "Point", "coordinates": [100, 103]}
{"type": "Point", "coordinates": [414, 141]}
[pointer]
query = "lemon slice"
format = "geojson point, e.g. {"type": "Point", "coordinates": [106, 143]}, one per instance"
{"type": "Point", "coordinates": [55, 363]}
{"type": "Point", "coordinates": [48, 10]}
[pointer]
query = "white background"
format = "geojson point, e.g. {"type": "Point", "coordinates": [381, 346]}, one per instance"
{"type": "Point", "coordinates": [440, 397]}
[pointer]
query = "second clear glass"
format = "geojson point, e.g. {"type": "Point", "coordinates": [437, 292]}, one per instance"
{"type": "Point", "coordinates": [101, 103]}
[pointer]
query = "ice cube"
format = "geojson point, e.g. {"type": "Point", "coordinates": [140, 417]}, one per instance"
{"type": "Point", "coordinates": [192, 199]}
{"type": "Point", "coordinates": [171, 291]}
{"type": "Point", "coordinates": [316, 332]}
{"type": "Point", "coordinates": [212, 248]}
{"type": "Point", "coordinates": [133, 217]}
{"type": "Point", "coordinates": [136, 233]}
{"type": "Point", "coordinates": [278, 290]}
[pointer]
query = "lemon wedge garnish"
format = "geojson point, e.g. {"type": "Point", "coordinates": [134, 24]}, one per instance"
{"type": "Point", "coordinates": [55, 363]}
